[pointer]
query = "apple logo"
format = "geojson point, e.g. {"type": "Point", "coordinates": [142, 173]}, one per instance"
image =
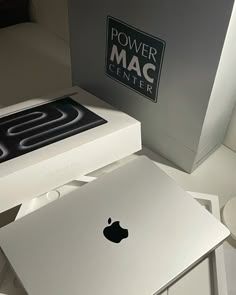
{"type": "Point", "coordinates": [114, 232]}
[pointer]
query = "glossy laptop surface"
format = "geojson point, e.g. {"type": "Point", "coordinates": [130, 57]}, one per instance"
{"type": "Point", "coordinates": [131, 232]}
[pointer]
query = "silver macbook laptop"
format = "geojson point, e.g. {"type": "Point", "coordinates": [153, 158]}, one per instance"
{"type": "Point", "coordinates": [131, 232]}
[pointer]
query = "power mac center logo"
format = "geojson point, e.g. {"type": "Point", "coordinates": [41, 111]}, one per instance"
{"type": "Point", "coordinates": [30, 129]}
{"type": "Point", "coordinates": [134, 58]}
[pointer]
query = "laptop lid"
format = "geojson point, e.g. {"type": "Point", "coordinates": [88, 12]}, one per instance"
{"type": "Point", "coordinates": [133, 231]}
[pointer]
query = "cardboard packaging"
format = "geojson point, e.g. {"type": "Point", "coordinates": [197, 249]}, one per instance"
{"type": "Point", "coordinates": [169, 64]}
{"type": "Point", "coordinates": [49, 141]}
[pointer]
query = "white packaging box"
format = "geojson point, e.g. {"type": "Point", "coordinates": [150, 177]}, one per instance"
{"type": "Point", "coordinates": [53, 152]}
{"type": "Point", "coordinates": [184, 51]}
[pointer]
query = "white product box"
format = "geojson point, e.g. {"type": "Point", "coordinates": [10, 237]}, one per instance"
{"type": "Point", "coordinates": [207, 278]}
{"type": "Point", "coordinates": [47, 142]}
{"type": "Point", "coordinates": [169, 64]}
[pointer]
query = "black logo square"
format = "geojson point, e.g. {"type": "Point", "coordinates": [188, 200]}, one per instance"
{"type": "Point", "coordinates": [134, 58]}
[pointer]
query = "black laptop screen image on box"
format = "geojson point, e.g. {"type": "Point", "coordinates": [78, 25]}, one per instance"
{"type": "Point", "coordinates": [133, 231]}
{"type": "Point", "coordinates": [36, 127]}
